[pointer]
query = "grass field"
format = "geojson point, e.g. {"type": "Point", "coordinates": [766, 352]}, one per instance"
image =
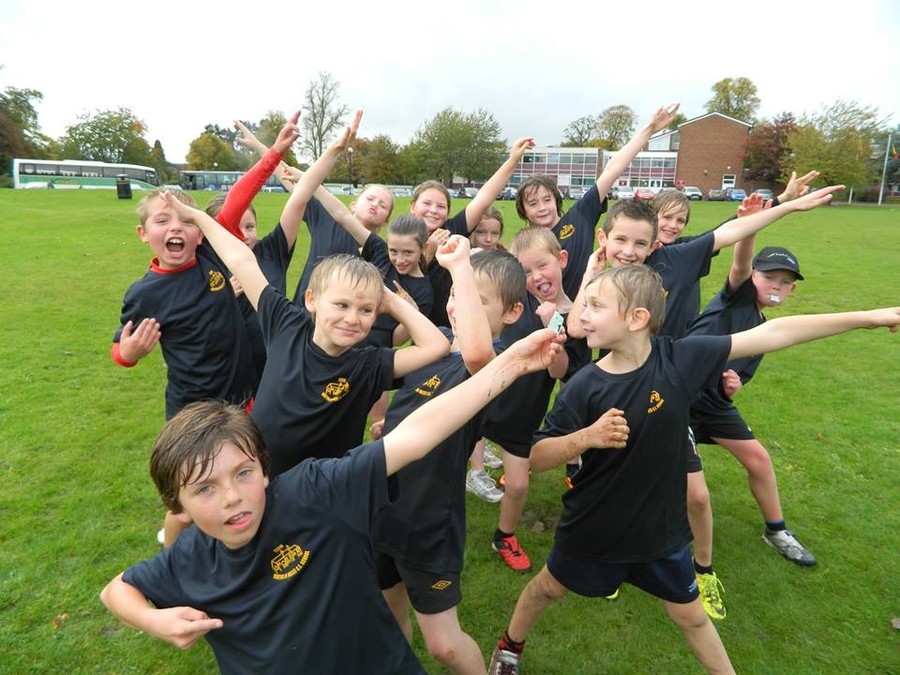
{"type": "Point", "coordinates": [78, 506]}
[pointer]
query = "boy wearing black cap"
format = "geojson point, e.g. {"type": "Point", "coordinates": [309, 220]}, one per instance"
{"type": "Point", "coordinates": [753, 284]}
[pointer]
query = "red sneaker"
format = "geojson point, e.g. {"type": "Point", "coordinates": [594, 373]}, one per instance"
{"type": "Point", "coordinates": [512, 553]}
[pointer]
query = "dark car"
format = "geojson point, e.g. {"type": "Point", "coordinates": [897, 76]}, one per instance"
{"type": "Point", "coordinates": [734, 194]}
{"type": "Point", "coordinates": [715, 195]}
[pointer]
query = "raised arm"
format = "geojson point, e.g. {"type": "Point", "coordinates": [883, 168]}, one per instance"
{"type": "Point", "coordinates": [622, 159]}
{"type": "Point", "coordinates": [796, 187]}
{"type": "Point", "coordinates": [182, 626]}
{"type": "Point", "coordinates": [431, 423]}
{"type": "Point", "coordinates": [429, 344]}
{"type": "Point", "coordinates": [488, 193]}
{"type": "Point", "coordinates": [241, 194]}
{"type": "Point", "coordinates": [793, 330]}
{"type": "Point", "coordinates": [470, 320]}
{"type": "Point", "coordinates": [236, 255]}
{"type": "Point", "coordinates": [741, 228]}
{"type": "Point", "coordinates": [742, 257]}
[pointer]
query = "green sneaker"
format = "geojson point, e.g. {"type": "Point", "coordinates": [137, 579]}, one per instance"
{"type": "Point", "coordinates": [711, 595]}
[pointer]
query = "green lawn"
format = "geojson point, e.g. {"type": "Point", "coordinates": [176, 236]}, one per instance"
{"type": "Point", "coordinates": [78, 505]}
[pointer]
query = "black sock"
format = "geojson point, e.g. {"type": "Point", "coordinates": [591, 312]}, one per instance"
{"type": "Point", "coordinates": [500, 534]}
{"type": "Point", "coordinates": [702, 569]}
{"type": "Point", "coordinates": [507, 644]}
{"type": "Point", "coordinates": [776, 527]}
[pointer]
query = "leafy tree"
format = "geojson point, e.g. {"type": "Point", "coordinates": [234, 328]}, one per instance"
{"type": "Point", "coordinates": [615, 126]}
{"type": "Point", "coordinates": [767, 157]}
{"type": "Point", "coordinates": [107, 136]}
{"type": "Point", "coordinates": [268, 129]}
{"type": "Point", "coordinates": [20, 134]}
{"type": "Point", "coordinates": [210, 151]}
{"type": "Point", "coordinates": [321, 113]}
{"type": "Point", "coordinates": [840, 142]}
{"type": "Point", "coordinates": [679, 118]}
{"type": "Point", "coordinates": [380, 163]}
{"type": "Point", "coordinates": [164, 169]}
{"type": "Point", "coordinates": [580, 132]}
{"type": "Point", "coordinates": [735, 97]}
{"type": "Point", "coordinates": [454, 143]}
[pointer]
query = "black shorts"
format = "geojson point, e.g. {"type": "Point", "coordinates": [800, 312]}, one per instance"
{"type": "Point", "coordinates": [709, 422]}
{"type": "Point", "coordinates": [515, 448]}
{"type": "Point", "coordinates": [694, 462]}
{"type": "Point", "coordinates": [429, 592]}
{"type": "Point", "coordinates": [671, 578]}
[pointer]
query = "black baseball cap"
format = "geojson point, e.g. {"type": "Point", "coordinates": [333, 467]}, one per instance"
{"type": "Point", "coordinates": [777, 258]}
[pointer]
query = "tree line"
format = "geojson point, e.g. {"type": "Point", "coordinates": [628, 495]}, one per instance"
{"type": "Point", "coordinates": [844, 141]}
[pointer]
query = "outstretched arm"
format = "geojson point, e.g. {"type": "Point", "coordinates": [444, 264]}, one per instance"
{"type": "Point", "coordinates": [488, 193]}
{"type": "Point", "coordinates": [622, 159]}
{"type": "Point", "coordinates": [793, 330]}
{"type": "Point", "coordinates": [797, 187]}
{"type": "Point", "coordinates": [740, 228]}
{"type": "Point", "coordinates": [431, 423]}
{"type": "Point", "coordinates": [182, 626]}
{"type": "Point", "coordinates": [236, 255]}
{"type": "Point", "coordinates": [428, 343]}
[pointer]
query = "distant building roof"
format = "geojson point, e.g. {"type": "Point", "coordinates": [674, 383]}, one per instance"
{"type": "Point", "coordinates": [713, 114]}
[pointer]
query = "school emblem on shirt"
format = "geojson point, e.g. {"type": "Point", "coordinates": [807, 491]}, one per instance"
{"type": "Point", "coordinates": [216, 281]}
{"type": "Point", "coordinates": [429, 386]}
{"type": "Point", "coordinates": [289, 560]}
{"type": "Point", "coordinates": [656, 402]}
{"type": "Point", "coordinates": [566, 231]}
{"type": "Point", "coordinates": [335, 391]}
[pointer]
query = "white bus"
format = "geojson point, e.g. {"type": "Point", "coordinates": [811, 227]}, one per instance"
{"type": "Point", "coordinates": [77, 174]}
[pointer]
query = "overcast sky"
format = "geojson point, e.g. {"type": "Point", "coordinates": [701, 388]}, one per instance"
{"type": "Point", "coordinates": [535, 65]}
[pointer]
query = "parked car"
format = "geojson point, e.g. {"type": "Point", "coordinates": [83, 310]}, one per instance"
{"type": "Point", "coordinates": [508, 193]}
{"type": "Point", "coordinates": [765, 193]}
{"type": "Point", "coordinates": [735, 194]}
{"type": "Point", "coordinates": [469, 192]}
{"type": "Point", "coordinates": [644, 194]}
{"type": "Point", "coordinates": [692, 192]}
{"type": "Point", "coordinates": [715, 195]}
{"type": "Point", "coordinates": [453, 192]}
{"type": "Point", "coordinates": [623, 192]}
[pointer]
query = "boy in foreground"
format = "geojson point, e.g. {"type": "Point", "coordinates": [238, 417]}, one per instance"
{"type": "Point", "coordinates": [279, 574]}
{"type": "Point", "coordinates": [625, 518]}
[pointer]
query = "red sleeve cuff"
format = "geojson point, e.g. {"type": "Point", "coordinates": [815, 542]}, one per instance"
{"type": "Point", "coordinates": [117, 357]}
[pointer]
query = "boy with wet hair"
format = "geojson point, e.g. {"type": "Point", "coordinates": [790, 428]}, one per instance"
{"type": "Point", "coordinates": [625, 519]}
{"type": "Point", "coordinates": [280, 572]}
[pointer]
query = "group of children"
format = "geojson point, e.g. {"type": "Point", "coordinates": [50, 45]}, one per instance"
{"type": "Point", "coordinates": [298, 524]}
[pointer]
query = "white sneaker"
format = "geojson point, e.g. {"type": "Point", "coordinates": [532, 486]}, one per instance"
{"type": "Point", "coordinates": [785, 542]}
{"type": "Point", "coordinates": [482, 485]}
{"type": "Point", "coordinates": [491, 457]}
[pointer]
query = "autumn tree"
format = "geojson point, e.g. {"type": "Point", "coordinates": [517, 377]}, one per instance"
{"type": "Point", "coordinates": [767, 158]}
{"type": "Point", "coordinates": [580, 132]}
{"type": "Point", "coordinates": [735, 97]}
{"type": "Point", "coordinates": [381, 162]}
{"type": "Point", "coordinates": [210, 151]}
{"type": "Point", "coordinates": [615, 126]}
{"type": "Point", "coordinates": [107, 136]}
{"type": "Point", "coordinates": [322, 114]}
{"type": "Point", "coordinates": [839, 142]}
{"type": "Point", "coordinates": [20, 133]}
{"type": "Point", "coordinates": [267, 131]}
{"type": "Point", "coordinates": [453, 144]}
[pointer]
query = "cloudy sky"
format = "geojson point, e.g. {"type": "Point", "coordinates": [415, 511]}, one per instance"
{"type": "Point", "coordinates": [535, 65]}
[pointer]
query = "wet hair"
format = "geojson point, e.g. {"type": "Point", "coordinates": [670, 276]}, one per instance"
{"type": "Point", "coordinates": [431, 185]}
{"type": "Point", "coordinates": [216, 203]}
{"type": "Point", "coordinates": [190, 442]}
{"type": "Point", "coordinates": [493, 213]}
{"type": "Point", "coordinates": [530, 185]}
{"type": "Point", "coordinates": [535, 237]}
{"type": "Point", "coordinates": [379, 186]}
{"type": "Point", "coordinates": [351, 268]}
{"type": "Point", "coordinates": [667, 200]}
{"type": "Point", "coordinates": [504, 271]}
{"type": "Point", "coordinates": [143, 207]}
{"type": "Point", "coordinates": [410, 225]}
{"type": "Point", "coordinates": [631, 209]}
{"type": "Point", "coordinates": [636, 286]}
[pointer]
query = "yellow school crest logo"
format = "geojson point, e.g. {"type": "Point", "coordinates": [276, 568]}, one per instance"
{"type": "Point", "coordinates": [335, 391]}
{"type": "Point", "coordinates": [566, 231]}
{"type": "Point", "coordinates": [216, 281]}
{"type": "Point", "coordinates": [288, 560]}
{"type": "Point", "coordinates": [429, 386]}
{"type": "Point", "coordinates": [656, 402]}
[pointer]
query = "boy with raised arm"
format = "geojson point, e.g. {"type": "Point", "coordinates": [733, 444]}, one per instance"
{"type": "Point", "coordinates": [625, 518]}
{"type": "Point", "coordinates": [277, 574]}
